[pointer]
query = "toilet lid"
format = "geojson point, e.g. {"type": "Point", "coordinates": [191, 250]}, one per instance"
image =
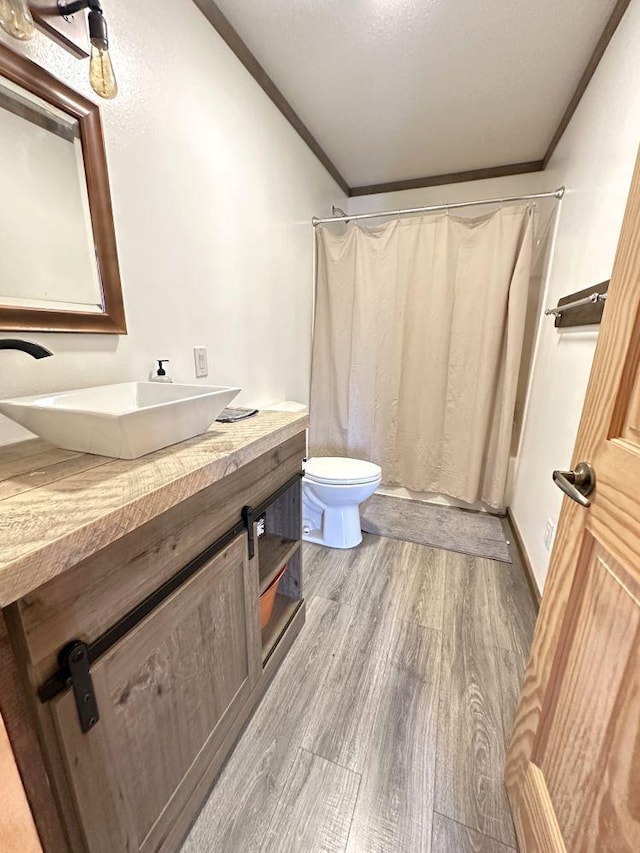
{"type": "Point", "coordinates": [337, 469]}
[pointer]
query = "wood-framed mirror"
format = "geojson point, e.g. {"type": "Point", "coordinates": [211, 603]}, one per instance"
{"type": "Point", "coordinates": [59, 267]}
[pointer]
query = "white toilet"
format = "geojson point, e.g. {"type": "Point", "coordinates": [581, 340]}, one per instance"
{"type": "Point", "coordinates": [332, 490]}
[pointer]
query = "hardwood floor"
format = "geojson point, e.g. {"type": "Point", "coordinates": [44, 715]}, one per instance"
{"type": "Point", "coordinates": [385, 728]}
{"type": "Point", "coordinates": [315, 810]}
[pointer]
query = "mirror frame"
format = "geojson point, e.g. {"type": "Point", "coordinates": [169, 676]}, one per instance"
{"type": "Point", "coordinates": [32, 77]}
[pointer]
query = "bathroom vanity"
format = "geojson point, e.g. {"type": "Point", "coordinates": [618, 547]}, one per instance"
{"type": "Point", "coordinates": [131, 647]}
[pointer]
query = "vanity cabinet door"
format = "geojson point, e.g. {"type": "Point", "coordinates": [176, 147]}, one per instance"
{"type": "Point", "coordinates": [167, 693]}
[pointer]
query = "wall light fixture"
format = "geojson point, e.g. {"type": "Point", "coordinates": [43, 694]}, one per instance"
{"type": "Point", "coordinates": [15, 19]}
{"type": "Point", "coordinates": [101, 75]}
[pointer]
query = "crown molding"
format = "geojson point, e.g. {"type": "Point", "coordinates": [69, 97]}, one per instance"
{"type": "Point", "coordinates": [449, 178]}
{"type": "Point", "coordinates": [607, 34]}
{"type": "Point", "coordinates": [232, 39]}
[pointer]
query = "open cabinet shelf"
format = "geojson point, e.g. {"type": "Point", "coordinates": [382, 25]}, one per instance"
{"type": "Point", "coordinates": [284, 610]}
{"type": "Point", "coordinates": [275, 551]}
{"type": "Point", "coordinates": [277, 548]}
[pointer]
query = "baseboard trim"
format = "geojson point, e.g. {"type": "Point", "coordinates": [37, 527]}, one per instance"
{"type": "Point", "coordinates": [516, 538]}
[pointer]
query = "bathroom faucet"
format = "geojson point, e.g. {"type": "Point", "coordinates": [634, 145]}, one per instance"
{"type": "Point", "coordinates": [30, 348]}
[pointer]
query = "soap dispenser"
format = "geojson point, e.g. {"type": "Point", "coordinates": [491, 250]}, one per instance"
{"type": "Point", "coordinates": [161, 373]}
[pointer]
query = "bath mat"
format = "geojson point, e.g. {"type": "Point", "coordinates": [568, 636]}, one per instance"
{"type": "Point", "coordinates": [475, 533]}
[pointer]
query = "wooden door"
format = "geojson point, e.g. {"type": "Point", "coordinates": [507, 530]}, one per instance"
{"type": "Point", "coordinates": [573, 767]}
{"type": "Point", "coordinates": [167, 694]}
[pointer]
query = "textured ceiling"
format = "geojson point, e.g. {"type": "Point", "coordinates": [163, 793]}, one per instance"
{"type": "Point", "coordinates": [401, 89]}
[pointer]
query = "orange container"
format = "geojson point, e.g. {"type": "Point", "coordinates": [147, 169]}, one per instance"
{"type": "Point", "coordinates": [268, 598]}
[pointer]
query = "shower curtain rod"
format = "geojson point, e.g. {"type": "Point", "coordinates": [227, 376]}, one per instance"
{"type": "Point", "coordinates": [433, 207]}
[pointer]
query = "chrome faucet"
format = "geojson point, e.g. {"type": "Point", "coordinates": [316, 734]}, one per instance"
{"type": "Point", "coordinates": [29, 347]}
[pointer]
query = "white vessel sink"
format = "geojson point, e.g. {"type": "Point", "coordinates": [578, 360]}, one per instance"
{"type": "Point", "coordinates": [125, 420]}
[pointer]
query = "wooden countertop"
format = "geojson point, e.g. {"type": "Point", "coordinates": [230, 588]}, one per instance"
{"type": "Point", "coordinates": [58, 507]}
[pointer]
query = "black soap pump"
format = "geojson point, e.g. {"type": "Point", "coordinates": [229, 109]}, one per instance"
{"type": "Point", "coordinates": [161, 373]}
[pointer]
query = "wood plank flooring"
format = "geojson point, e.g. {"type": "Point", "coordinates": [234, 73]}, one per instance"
{"type": "Point", "coordinates": [385, 727]}
{"type": "Point", "coordinates": [314, 812]}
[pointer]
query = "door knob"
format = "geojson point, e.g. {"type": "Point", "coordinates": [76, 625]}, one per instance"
{"type": "Point", "coordinates": [577, 484]}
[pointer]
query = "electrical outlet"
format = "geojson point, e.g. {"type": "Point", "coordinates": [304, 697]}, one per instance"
{"type": "Point", "coordinates": [549, 533]}
{"type": "Point", "coordinates": [201, 359]}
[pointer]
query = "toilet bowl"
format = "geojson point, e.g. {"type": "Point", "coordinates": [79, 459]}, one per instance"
{"type": "Point", "coordinates": [333, 488]}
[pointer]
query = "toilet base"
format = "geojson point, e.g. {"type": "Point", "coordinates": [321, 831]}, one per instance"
{"type": "Point", "coordinates": [340, 528]}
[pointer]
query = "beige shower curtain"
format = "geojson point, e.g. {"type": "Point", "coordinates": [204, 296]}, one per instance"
{"type": "Point", "coordinates": [418, 337]}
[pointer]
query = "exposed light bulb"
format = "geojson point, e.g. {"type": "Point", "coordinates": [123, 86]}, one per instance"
{"type": "Point", "coordinates": [101, 76]}
{"type": "Point", "coordinates": [15, 19]}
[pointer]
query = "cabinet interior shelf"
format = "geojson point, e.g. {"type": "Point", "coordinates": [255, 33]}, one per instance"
{"type": "Point", "coordinates": [284, 610]}
{"type": "Point", "coordinates": [274, 551]}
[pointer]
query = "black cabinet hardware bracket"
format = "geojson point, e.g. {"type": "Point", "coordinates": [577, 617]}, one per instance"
{"type": "Point", "coordinates": [74, 660]}
{"type": "Point", "coordinates": [247, 517]}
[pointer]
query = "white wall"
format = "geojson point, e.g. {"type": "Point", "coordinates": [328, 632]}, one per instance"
{"type": "Point", "coordinates": [213, 193]}
{"type": "Point", "coordinates": [594, 160]}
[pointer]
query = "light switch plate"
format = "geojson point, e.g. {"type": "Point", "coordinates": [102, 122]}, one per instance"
{"type": "Point", "coordinates": [201, 359]}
